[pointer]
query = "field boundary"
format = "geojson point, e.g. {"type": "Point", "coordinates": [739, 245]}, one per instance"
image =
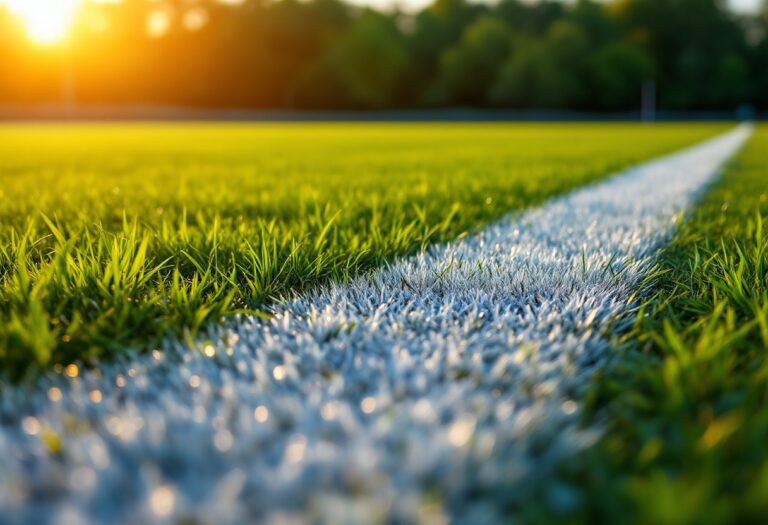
{"type": "Point", "coordinates": [449, 381]}
{"type": "Point", "coordinates": [96, 113]}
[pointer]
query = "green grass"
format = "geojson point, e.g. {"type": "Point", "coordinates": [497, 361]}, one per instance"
{"type": "Point", "coordinates": [687, 407]}
{"type": "Point", "coordinates": [113, 236]}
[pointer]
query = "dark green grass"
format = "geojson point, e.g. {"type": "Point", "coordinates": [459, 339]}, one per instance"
{"type": "Point", "coordinates": [113, 236]}
{"type": "Point", "coordinates": [687, 407]}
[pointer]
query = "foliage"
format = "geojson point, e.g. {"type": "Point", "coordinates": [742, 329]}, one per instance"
{"type": "Point", "coordinates": [544, 74]}
{"type": "Point", "coordinates": [122, 234]}
{"type": "Point", "coordinates": [617, 70]}
{"type": "Point", "coordinates": [362, 69]}
{"type": "Point", "coordinates": [326, 54]}
{"type": "Point", "coordinates": [468, 68]}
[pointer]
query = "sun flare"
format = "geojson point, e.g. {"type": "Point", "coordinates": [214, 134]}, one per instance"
{"type": "Point", "coordinates": [46, 21]}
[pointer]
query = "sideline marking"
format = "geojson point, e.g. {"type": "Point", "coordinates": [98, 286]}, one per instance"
{"type": "Point", "coordinates": [457, 372]}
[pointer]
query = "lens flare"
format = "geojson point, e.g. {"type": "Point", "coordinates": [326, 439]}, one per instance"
{"type": "Point", "coordinates": [46, 21]}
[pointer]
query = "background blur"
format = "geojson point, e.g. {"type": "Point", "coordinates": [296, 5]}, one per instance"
{"type": "Point", "coordinates": [688, 55]}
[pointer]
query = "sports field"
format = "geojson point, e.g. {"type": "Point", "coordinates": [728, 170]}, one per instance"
{"type": "Point", "coordinates": [383, 323]}
{"type": "Point", "coordinates": [112, 236]}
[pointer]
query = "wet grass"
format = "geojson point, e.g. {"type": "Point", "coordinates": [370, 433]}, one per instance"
{"type": "Point", "coordinates": [113, 236]}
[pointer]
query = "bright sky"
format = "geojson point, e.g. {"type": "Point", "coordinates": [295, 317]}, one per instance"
{"type": "Point", "coordinates": [745, 5]}
{"type": "Point", "coordinates": [48, 21]}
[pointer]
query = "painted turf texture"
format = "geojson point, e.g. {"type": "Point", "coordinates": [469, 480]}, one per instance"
{"type": "Point", "coordinates": [443, 386]}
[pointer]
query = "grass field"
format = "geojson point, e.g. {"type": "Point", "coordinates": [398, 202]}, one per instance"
{"type": "Point", "coordinates": [115, 235]}
{"type": "Point", "coordinates": [686, 405]}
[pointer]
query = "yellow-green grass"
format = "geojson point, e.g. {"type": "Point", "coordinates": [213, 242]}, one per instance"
{"type": "Point", "coordinates": [115, 235]}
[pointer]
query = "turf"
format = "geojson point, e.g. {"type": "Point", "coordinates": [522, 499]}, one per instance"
{"type": "Point", "coordinates": [112, 236]}
{"type": "Point", "coordinates": [687, 407]}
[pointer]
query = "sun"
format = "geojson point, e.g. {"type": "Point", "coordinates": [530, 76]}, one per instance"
{"type": "Point", "coordinates": [46, 21]}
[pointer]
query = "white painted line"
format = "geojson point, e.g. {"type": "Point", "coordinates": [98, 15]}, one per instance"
{"type": "Point", "coordinates": [446, 385]}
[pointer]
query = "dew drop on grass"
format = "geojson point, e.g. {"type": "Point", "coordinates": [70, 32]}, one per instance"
{"type": "Point", "coordinates": [30, 425]}
{"type": "Point", "coordinates": [368, 405]}
{"type": "Point", "coordinates": [570, 407]}
{"type": "Point", "coordinates": [278, 372]}
{"type": "Point", "coordinates": [54, 394]}
{"type": "Point", "coordinates": [261, 414]}
{"type": "Point", "coordinates": [294, 452]}
{"type": "Point", "coordinates": [329, 411]}
{"type": "Point", "coordinates": [161, 501]}
{"type": "Point", "coordinates": [461, 431]}
{"type": "Point", "coordinates": [223, 440]}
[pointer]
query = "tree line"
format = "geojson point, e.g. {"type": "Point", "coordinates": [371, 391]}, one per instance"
{"type": "Point", "coordinates": [325, 54]}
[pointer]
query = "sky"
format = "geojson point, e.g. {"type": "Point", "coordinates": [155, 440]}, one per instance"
{"type": "Point", "coordinates": [745, 5]}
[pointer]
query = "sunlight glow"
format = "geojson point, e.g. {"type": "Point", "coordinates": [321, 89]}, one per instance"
{"type": "Point", "coordinates": [49, 22]}
{"type": "Point", "coordinates": [46, 21]}
{"type": "Point", "coordinates": [158, 23]}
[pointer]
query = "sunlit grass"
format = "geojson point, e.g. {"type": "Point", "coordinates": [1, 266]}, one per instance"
{"type": "Point", "coordinates": [116, 235]}
{"type": "Point", "coordinates": [687, 408]}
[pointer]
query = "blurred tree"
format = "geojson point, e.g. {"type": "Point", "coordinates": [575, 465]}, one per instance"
{"type": "Point", "coordinates": [595, 21]}
{"type": "Point", "coordinates": [441, 25]}
{"type": "Point", "coordinates": [570, 49]}
{"type": "Point", "coordinates": [689, 40]}
{"type": "Point", "coordinates": [586, 54]}
{"type": "Point", "coordinates": [529, 78]}
{"type": "Point", "coordinates": [730, 84]}
{"type": "Point", "coordinates": [617, 73]}
{"type": "Point", "coordinates": [467, 69]}
{"type": "Point", "coordinates": [362, 70]}
{"type": "Point", "coordinates": [435, 29]}
{"type": "Point", "coordinates": [759, 62]}
{"type": "Point", "coordinates": [544, 74]}
{"type": "Point", "coordinates": [533, 18]}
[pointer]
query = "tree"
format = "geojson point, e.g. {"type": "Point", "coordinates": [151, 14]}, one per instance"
{"type": "Point", "coordinates": [467, 69]}
{"type": "Point", "coordinates": [529, 78]}
{"type": "Point", "coordinates": [583, 54]}
{"type": "Point", "coordinates": [544, 73]}
{"type": "Point", "coordinates": [595, 21]}
{"type": "Point", "coordinates": [363, 70]}
{"type": "Point", "coordinates": [689, 40]}
{"type": "Point", "coordinates": [617, 72]}
{"type": "Point", "coordinates": [532, 18]}
{"type": "Point", "coordinates": [730, 85]}
{"type": "Point", "coordinates": [439, 27]}
{"type": "Point", "coordinates": [758, 60]}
